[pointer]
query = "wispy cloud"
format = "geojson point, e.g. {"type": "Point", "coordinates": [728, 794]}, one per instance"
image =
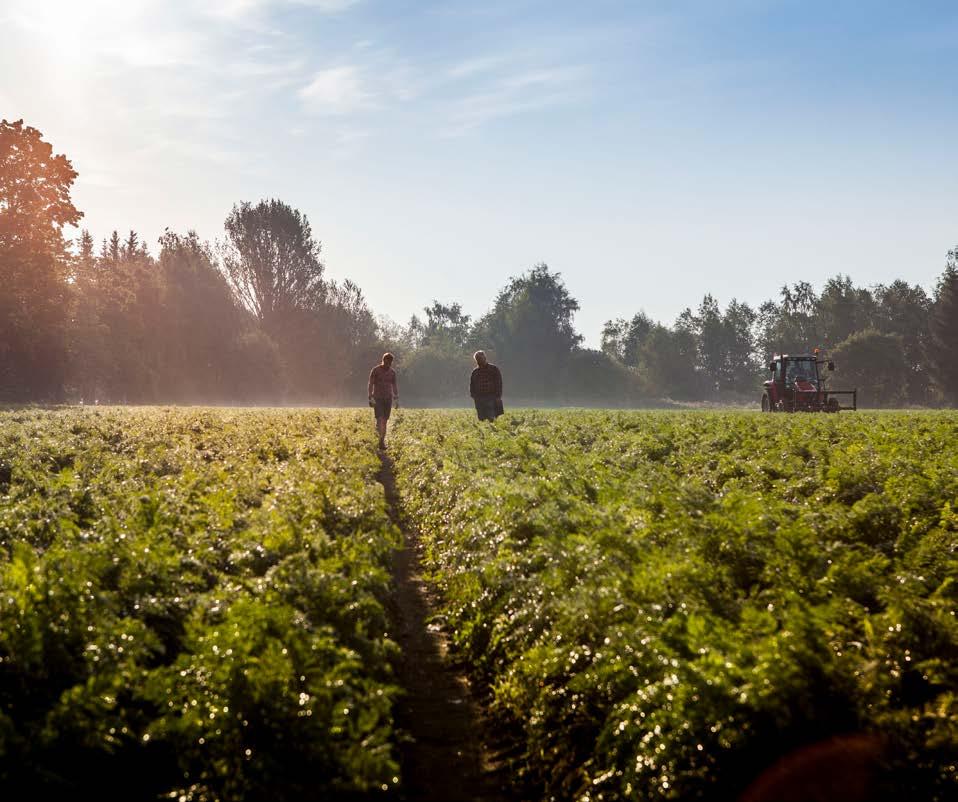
{"type": "Point", "coordinates": [514, 93]}
{"type": "Point", "coordinates": [457, 96]}
{"type": "Point", "coordinates": [476, 66]}
{"type": "Point", "coordinates": [336, 91]}
{"type": "Point", "coordinates": [329, 6]}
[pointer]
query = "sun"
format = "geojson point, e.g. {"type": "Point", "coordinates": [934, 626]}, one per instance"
{"type": "Point", "coordinates": [77, 33]}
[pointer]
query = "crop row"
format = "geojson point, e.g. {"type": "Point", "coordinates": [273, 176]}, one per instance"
{"type": "Point", "coordinates": [191, 606]}
{"type": "Point", "coordinates": [664, 606]}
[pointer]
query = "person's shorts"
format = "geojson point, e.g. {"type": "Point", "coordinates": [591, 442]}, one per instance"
{"type": "Point", "coordinates": [383, 407]}
{"type": "Point", "coordinates": [486, 408]}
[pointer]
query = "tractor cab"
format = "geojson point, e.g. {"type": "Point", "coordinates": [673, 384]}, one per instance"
{"type": "Point", "coordinates": [797, 384]}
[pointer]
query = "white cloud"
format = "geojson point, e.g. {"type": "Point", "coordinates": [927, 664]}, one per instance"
{"type": "Point", "coordinates": [476, 66]}
{"type": "Point", "coordinates": [337, 90]}
{"type": "Point", "coordinates": [550, 77]}
{"type": "Point", "coordinates": [515, 93]}
{"type": "Point", "coordinates": [240, 10]}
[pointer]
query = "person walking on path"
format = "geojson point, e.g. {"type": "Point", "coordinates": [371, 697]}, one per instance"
{"type": "Point", "coordinates": [485, 387]}
{"type": "Point", "coordinates": [383, 392]}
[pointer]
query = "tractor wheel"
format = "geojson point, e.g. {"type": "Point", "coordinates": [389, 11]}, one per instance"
{"type": "Point", "coordinates": [767, 405]}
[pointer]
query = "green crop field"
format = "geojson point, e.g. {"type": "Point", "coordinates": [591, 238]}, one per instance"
{"type": "Point", "coordinates": [191, 604]}
{"type": "Point", "coordinates": [664, 603]}
{"type": "Point", "coordinates": [652, 605]}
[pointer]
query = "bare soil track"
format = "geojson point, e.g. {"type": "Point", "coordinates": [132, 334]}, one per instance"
{"type": "Point", "coordinates": [442, 730]}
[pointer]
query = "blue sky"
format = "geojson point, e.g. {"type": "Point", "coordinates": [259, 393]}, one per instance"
{"type": "Point", "coordinates": [650, 151]}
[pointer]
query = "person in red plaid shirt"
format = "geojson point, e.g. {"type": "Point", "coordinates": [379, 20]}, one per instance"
{"type": "Point", "coordinates": [383, 391]}
{"type": "Point", "coordinates": [485, 387]}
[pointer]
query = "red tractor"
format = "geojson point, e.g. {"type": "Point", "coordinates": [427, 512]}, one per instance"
{"type": "Point", "coordinates": [798, 386]}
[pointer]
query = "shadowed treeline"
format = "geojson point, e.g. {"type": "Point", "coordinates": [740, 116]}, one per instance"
{"type": "Point", "coordinates": [255, 319]}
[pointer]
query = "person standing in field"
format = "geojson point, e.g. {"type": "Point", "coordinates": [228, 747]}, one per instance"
{"type": "Point", "coordinates": [383, 392]}
{"type": "Point", "coordinates": [485, 387]}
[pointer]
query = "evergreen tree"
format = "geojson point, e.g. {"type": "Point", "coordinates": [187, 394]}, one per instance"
{"type": "Point", "coordinates": [111, 250]}
{"type": "Point", "coordinates": [131, 245]}
{"type": "Point", "coordinates": [85, 253]}
{"type": "Point", "coordinates": [944, 331]}
{"type": "Point", "coordinates": [90, 346]}
{"type": "Point", "coordinates": [200, 318]}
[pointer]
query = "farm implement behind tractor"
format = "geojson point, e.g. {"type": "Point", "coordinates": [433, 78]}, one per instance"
{"type": "Point", "coordinates": [797, 385]}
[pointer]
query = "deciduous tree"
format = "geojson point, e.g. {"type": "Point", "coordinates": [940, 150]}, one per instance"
{"type": "Point", "coordinates": [530, 329]}
{"type": "Point", "coordinates": [272, 261]}
{"type": "Point", "coordinates": [875, 363]}
{"type": "Point", "coordinates": [35, 205]}
{"type": "Point", "coordinates": [35, 187]}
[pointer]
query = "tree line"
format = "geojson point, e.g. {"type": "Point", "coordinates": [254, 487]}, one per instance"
{"type": "Point", "coordinates": [256, 319]}
{"type": "Point", "coordinates": [895, 342]}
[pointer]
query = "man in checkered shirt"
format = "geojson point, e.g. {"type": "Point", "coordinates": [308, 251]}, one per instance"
{"type": "Point", "coordinates": [485, 387]}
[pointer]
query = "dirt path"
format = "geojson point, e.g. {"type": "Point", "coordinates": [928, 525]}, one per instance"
{"type": "Point", "coordinates": [443, 758]}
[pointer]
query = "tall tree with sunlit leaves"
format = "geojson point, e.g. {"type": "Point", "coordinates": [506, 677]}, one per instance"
{"type": "Point", "coordinates": [35, 205]}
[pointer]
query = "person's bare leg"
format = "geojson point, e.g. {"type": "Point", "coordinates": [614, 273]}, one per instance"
{"type": "Point", "coordinates": [381, 426]}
